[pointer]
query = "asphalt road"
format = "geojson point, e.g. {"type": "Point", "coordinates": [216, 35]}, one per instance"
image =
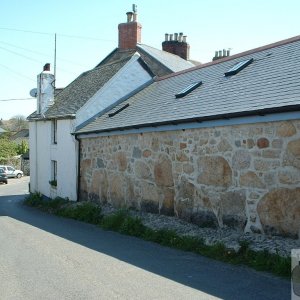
{"type": "Point", "coordinates": [46, 257]}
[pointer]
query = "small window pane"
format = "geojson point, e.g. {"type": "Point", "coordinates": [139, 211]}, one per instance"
{"type": "Point", "coordinates": [188, 89]}
{"type": "Point", "coordinates": [238, 67]}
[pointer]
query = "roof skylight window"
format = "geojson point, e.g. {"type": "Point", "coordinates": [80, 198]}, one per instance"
{"type": "Point", "coordinates": [238, 67]}
{"type": "Point", "coordinates": [188, 89]}
{"type": "Point", "coordinates": [118, 110]}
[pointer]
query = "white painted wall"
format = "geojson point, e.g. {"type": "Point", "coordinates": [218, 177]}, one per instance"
{"type": "Point", "coordinates": [42, 152]}
{"type": "Point", "coordinates": [129, 78]}
{"type": "Point", "coordinates": [40, 172]}
{"type": "Point", "coordinates": [65, 153]}
{"type": "Point", "coordinates": [32, 156]}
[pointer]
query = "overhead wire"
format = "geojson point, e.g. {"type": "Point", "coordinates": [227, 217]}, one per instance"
{"type": "Point", "coordinates": [58, 34]}
{"type": "Point", "coordinates": [40, 53]}
{"type": "Point", "coordinates": [17, 99]}
{"type": "Point", "coordinates": [36, 52]}
{"type": "Point", "coordinates": [17, 73]}
{"type": "Point", "coordinates": [32, 59]}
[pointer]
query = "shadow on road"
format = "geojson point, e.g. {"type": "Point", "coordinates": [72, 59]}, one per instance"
{"type": "Point", "coordinates": [212, 277]}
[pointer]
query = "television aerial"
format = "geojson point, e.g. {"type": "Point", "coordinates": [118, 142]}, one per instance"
{"type": "Point", "coordinates": [33, 93]}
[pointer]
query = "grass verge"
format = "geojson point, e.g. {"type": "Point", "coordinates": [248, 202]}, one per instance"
{"type": "Point", "coordinates": [122, 222]}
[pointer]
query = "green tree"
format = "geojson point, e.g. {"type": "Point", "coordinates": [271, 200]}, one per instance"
{"type": "Point", "coordinates": [7, 148]}
{"type": "Point", "coordinates": [22, 148]}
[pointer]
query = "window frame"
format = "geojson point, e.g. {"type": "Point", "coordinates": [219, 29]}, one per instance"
{"type": "Point", "coordinates": [54, 131]}
{"type": "Point", "coordinates": [53, 170]}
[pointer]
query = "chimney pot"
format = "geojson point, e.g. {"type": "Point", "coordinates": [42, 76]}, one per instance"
{"type": "Point", "coordinates": [166, 37]}
{"type": "Point", "coordinates": [184, 38]}
{"type": "Point", "coordinates": [228, 52]}
{"type": "Point", "coordinates": [224, 52]}
{"type": "Point", "coordinates": [216, 53]}
{"type": "Point", "coordinates": [176, 36]}
{"type": "Point", "coordinates": [180, 37]}
{"type": "Point", "coordinates": [129, 16]}
{"type": "Point", "coordinates": [220, 53]}
{"type": "Point", "coordinates": [46, 67]}
{"type": "Point", "coordinates": [134, 17]}
{"type": "Point", "coordinates": [171, 37]}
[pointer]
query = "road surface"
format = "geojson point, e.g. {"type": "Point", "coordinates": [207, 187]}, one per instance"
{"type": "Point", "coordinates": [47, 257]}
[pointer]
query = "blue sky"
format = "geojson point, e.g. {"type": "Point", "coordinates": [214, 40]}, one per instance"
{"type": "Point", "coordinates": [87, 31]}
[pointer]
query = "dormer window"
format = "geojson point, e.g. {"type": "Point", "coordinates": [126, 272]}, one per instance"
{"type": "Point", "coordinates": [188, 89]}
{"type": "Point", "coordinates": [238, 67]}
{"type": "Point", "coordinates": [118, 110]}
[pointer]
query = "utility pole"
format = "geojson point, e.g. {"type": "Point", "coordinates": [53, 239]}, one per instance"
{"type": "Point", "coordinates": [54, 61]}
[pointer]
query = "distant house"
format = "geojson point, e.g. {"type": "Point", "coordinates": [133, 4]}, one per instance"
{"type": "Point", "coordinates": [22, 135]}
{"type": "Point", "coordinates": [2, 131]}
{"type": "Point", "coordinates": [217, 144]}
{"type": "Point", "coordinates": [127, 69]}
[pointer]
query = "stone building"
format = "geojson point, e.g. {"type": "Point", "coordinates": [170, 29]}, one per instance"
{"type": "Point", "coordinates": [218, 144]}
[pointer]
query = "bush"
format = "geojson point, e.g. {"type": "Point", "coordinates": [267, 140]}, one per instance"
{"type": "Point", "coordinates": [114, 221]}
{"type": "Point", "coordinates": [132, 226]}
{"type": "Point", "coordinates": [34, 200]}
{"type": "Point", "coordinates": [85, 212]}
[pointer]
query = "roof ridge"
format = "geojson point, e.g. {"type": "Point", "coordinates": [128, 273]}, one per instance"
{"type": "Point", "coordinates": [113, 62]}
{"type": "Point", "coordinates": [163, 51]}
{"type": "Point", "coordinates": [228, 58]}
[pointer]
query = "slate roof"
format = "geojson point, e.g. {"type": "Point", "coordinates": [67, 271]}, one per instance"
{"type": "Point", "coordinates": [271, 83]}
{"type": "Point", "coordinates": [78, 92]}
{"type": "Point", "coordinates": [173, 62]}
{"type": "Point", "coordinates": [24, 133]}
{"type": "Point", "coordinates": [160, 62]}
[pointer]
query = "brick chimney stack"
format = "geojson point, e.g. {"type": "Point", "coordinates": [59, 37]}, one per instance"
{"type": "Point", "coordinates": [130, 32]}
{"type": "Point", "coordinates": [177, 46]}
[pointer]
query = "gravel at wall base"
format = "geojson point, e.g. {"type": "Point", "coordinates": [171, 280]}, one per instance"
{"type": "Point", "coordinates": [230, 237]}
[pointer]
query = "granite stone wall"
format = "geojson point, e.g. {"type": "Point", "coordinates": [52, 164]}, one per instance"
{"type": "Point", "coordinates": [245, 176]}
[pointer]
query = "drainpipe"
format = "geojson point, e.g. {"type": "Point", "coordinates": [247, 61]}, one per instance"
{"type": "Point", "coordinates": [36, 158]}
{"type": "Point", "coordinates": [78, 167]}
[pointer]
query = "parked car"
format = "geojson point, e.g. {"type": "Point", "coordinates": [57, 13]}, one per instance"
{"type": "Point", "coordinates": [12, 172]}
{"type": "Point", "coordinates": [3, 176]}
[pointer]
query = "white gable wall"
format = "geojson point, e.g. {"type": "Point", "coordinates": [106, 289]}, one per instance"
{"type": "Point", "coordinates": [43, 151]}
{"type": "Point", "coordinates": [129, 78]}
{"type": "Point", "coordinates": [40, 173]}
